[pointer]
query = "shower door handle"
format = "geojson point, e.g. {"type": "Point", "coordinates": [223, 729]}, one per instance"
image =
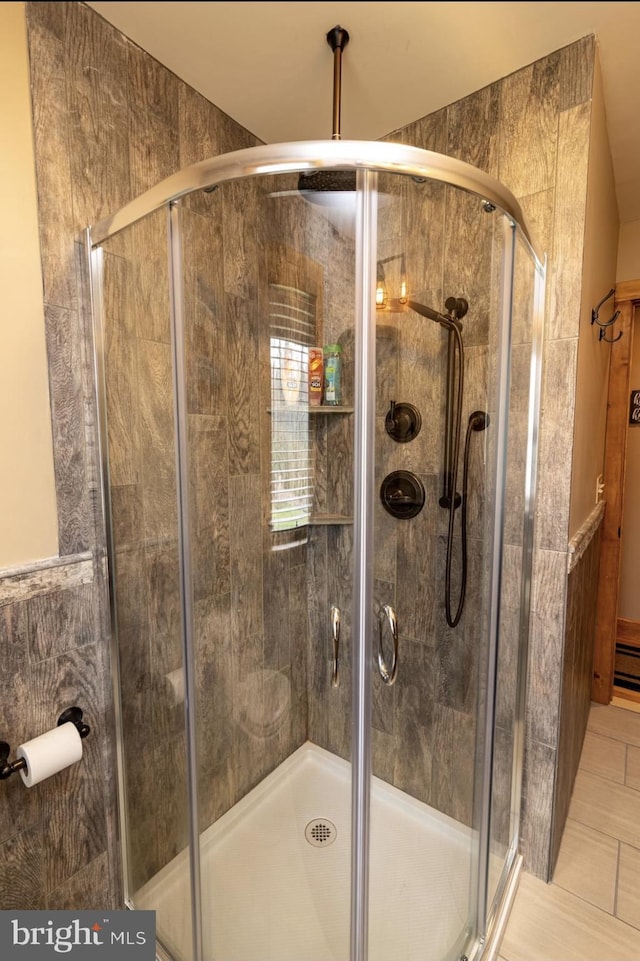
{"type": "Point", "coordinates": [335, 637]}
{"type": "Point", "coordinates": [388, 674]}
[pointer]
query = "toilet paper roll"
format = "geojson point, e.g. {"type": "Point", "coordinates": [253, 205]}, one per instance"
{"type": "Point", "coordinates": [50, 753]}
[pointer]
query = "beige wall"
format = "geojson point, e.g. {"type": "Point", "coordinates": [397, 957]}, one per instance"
{"type": "Point", "coordinates": [629, 252]}
{"type": "Point", "coordinates": [599, 270]}
{"type": "Point", "coordinates": [28, 524]}
{"type": "Point", "coordinates": [629, 597]}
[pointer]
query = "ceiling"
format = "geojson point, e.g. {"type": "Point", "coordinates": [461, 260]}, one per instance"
{"type": "Point", "coordinates": [268, 65]}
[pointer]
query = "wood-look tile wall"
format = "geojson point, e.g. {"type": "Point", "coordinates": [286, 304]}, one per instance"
{"type": "Point", "coordinates": [531, 130]}
{"type": "Point", "coordinates": [109, 122]}
{"type": "Point", "coordinates": [57, 839]}
{"type": "Point", "coordinates": [249, 601]}
{"type": "Point", "coordinates": [60, 838]}
{"type": "Point", "coordinates": [424, 727]}
{"type": "Point", "coordinates": [577, 672]}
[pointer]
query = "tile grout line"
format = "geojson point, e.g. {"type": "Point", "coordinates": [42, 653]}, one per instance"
{"type": "Point", "coordinates": [583, 900]}
{"type": "Point", "coordinates": [605, 784]}
{"type": "Point", "coordinates": [609, 736]}
{"type": "Point", "coordinates": [603, 834]}
{"type": "Point", "coordinates": [588, 770]}
{"type": "Point", "coordinates": [615, 890]}
{"type": "Point", "coordinates": [612, 837]}
{"type": "Point", "coordinates": [597, 907]}
{"type": "Point", "coordinates": [580, 896]}
{"type": "Point", "coordinates": [609, 780]}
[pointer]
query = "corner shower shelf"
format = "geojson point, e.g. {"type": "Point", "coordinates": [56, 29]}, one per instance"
{"type": "Point", "coordinates": [328, 409]}
{"type": "Point", "coordinates": [319, 520]}
{"type": "Point", "coordinates": [318, 409]}
{"type": "Point", "coordinates": [325, 520]}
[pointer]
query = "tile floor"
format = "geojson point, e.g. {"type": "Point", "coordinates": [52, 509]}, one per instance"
{"type": "Point", "coordinates": [591, 910]}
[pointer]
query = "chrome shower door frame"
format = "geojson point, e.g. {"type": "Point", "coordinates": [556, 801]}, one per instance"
{"type": "Point", "coordinates": [367, 159]}
{"type": "Point", "coordinates": [363, 480]}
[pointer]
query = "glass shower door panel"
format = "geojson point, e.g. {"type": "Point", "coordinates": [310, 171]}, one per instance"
{"type": "Point", "coordinates": [268, 279]}
{"type": "Point", "coordinates": [424, 837]}
{"type": "Point", "coordinates": [145, 574]}
{"type": "Point", "coordinates": [515, 575]}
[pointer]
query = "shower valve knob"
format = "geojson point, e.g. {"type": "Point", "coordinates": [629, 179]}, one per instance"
{"type": "Point", "coordinates": [403, 422]}
{"type": "Point", "coordinates": [402, 494]}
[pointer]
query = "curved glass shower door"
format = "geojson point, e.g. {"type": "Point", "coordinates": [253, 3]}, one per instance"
{"type": "Point", "coordinates": [268, 282]}
{"type": "Point", "coordinates": [438, 252]}
{"type": "Point", "coordinates": [306, 587]}
{"type": "Point", "coordinates": [133, 342]}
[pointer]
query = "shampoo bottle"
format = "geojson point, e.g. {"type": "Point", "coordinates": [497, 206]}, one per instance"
{"type": "Point", "coordinates": [332, 375]}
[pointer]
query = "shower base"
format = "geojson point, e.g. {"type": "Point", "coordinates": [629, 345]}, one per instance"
{"type": "Point", "coordinates": [268, 894]}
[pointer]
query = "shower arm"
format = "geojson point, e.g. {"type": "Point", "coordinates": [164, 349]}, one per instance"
{"type": "Point", "coordinates": [337, 39]}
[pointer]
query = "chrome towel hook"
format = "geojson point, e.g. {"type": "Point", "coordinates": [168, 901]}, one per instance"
{"type": "Point", "coordinates": [387, 674]}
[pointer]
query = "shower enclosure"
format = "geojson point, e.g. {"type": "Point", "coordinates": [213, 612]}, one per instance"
{"type": "Point", "coordinates": [315, 763]}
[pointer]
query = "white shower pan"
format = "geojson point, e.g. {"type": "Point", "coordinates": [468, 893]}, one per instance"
{"type": "Point", "coordinates": [275, 874]}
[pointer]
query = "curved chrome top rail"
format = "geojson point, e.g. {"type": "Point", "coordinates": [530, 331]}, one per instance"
{"type": "Point", "coordinates": [306, 155]}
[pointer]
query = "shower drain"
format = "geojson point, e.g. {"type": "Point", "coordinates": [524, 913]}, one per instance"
{"type": "Point", "coordinates": [320, 832]}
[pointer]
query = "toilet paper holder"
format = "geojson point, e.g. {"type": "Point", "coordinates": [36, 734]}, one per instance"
{"type": "Point", "coordinates": [7, 767]}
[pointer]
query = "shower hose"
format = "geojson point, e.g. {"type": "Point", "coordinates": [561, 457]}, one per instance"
{"type": "Point", "coordinates": [477, 421]}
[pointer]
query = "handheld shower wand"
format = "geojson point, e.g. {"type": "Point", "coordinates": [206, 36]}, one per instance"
{"type": "Point", "coordinates": [457, 308]}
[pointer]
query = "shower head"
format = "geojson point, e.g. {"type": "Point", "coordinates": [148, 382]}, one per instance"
{"type": "Point", "coordinates": [445, 320]}
{"type": "Point", "coordinates": [321, 186]}
{"type": "Point", "coordinates": [429, 312]}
